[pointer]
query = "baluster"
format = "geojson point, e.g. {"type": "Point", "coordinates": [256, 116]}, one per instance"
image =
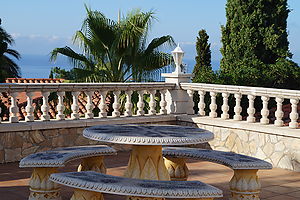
{"type": "Point", "coordinates": [45, 107]}
{"type": "Point", "coordinates": [213, 105]}
{"type": "Point", "coordinates": [29, 108]}
{"type": "Point", "coordinates": [201, 104]}
{"type": "Point", "coordinates": [163, 102]}
{"type": "Point", "coordinates": [116, 105]}
{"type": "Point", "coordinates": [75, 107]}
{"type": "Point", "coordinates": [265, 111]}
{"type": "Point", "coordinates": [237, 108]}
{"type": "Point", "coordinates": [190, 103]}
{"type": "Point", "coordinates": [251, 109]}
{"type": "Point", "coordinates": [128, 104]}
{"type": "Point", "coordinates": [225, 106]}
{"type": "Point", "coordinates": [294, 114]}
{"type": "Point", "coordinates": [279, 113]}
{"type": "Point", "coordinates": [102, 106]}
{"type": "Point", "coordinates": [152, 103]}
{"type": "Point", "coordinates": [140, 104]}
{"type": "Point", "coordinates": [60, 106]}
{"type": "Point", "coordinates": [89, 105]}
{"type": "Point", "coordinates": [13, 118]}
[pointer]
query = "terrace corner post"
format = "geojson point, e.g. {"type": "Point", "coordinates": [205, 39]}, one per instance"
{"type": "Point", "coordinates": [178, 100]}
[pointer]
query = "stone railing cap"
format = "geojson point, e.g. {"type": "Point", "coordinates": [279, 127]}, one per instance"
{"type": "Point", "coordinates": [94, 181]}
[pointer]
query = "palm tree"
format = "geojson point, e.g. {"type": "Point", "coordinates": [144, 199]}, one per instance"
{"type": "Point", "coordinates": [8, 68]}
{"type": "Point", "coordinates": [116, 51]}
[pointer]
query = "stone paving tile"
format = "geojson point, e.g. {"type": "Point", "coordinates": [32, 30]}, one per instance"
{"type": "Point", "coordinates": [281, 189]}
{"type": "Point", "coordinates": [277, 184]}
{"type": "Point", "coordinates": [267, 194]}
{"type": "Point", "coordinates": [282, 197]}
{"type": "Point", "coordinates": [295, 194]}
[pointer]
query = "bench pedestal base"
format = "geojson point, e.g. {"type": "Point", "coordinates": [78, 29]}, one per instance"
{"type": "Point", "coordinates": [177, 169]}
{"type": "Point", "coordinates": [84, 195]}
{"type": "Point", "coordinates": [92, 164]}
{"type": "Point", "coordinates": [245, 185]}
{"type": "Point", "coordinates": [41, 188]}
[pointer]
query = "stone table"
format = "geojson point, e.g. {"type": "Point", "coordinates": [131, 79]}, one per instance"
{"type": "Point", "coordinates": [146, 160]}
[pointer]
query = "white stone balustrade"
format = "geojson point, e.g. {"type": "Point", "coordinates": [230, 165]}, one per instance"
{"type": "Point", "coordinates": [128, 104]}
{"type": "Point", "coordinates": [89, 105]}
{"type": "Point", "coordinates": [252, 94]}
{"type": "Point", "coordinates": [163, 102]}
{"type": "Point", "coordinates": [45, 107]}
{"type": "Point", "coordinates": [116, 104]}
{"type": "Point", "coordinates": [87, 92]}
{"type": "Point", "coordinates": [152, 103]}
{"type": "Point", "coordinates": [102, 105]}
{"type": "Point", "coordinates": [201, 104]}
{"type": "Point", "coordinates": [13, 108]}
{"type": "Point", "coordinates": [237, 108]}
{"type": "Point", "coordinates": [60, 106]}
{"type": "Point", "coordinates": [29, 108]}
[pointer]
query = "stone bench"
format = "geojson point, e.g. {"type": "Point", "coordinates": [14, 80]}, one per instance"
{"type": "Point", "coordinates": [90, 185]}
{"type": "Point", "coordinates": [46, 163]}
{"type": "Point", "coordinates": [243, 185]}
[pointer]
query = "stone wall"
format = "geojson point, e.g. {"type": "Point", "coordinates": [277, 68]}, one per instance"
{"type": "Point", "coordinates": [16, 145]}
{"type": "Point", "coordinates": [281, 151]}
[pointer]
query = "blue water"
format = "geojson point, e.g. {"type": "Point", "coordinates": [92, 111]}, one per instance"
{"type": "Point", "coordinates": [39, 66]}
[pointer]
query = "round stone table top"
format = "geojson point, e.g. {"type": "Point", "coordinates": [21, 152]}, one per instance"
{"type": "Point", "coordinates": [139, 134]}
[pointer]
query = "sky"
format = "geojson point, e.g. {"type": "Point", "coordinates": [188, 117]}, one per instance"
{"type": "Point", "coordinates": [40, 26]}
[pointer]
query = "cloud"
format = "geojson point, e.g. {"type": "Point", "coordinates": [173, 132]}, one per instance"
{"type": "Point", "coordinates": [39, 44]}
{"type": "Point", "coordinates": [186, 43]}
{"type": "Point", "coordinates": [49, 38]}
{"type": "Point", "coordinates": [16, 35]}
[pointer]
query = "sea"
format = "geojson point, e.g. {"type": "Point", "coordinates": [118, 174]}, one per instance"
{"type": "Point", "coordinates": [39, 66]}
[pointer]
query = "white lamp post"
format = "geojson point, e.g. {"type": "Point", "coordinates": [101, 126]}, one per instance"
{"type": "Point", "coordinates": [177, 56]}
{"type": "Point", "coordinates": [178, 101]}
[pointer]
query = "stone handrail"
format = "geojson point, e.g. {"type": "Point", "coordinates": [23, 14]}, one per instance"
{"type": "Point", "coordinates": [88, 89]}
{"type": "Point", "coordinates": [251, 92]}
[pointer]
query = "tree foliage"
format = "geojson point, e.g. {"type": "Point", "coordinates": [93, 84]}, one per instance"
{"type": "Point", "coordinates": [255, 45]}
{"type": "Point", "coordinates": [203, 71]}
{"type": "Point", "coordinates": [8, 67]}
{"type": "Point", "coordinates": [116, 51]}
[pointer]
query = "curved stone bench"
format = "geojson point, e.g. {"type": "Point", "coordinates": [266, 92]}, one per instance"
{"type": "Point", "coordinates": [244, 183]}
{"type": "Point", "coordinates": [90, 185]}
{"type": "Point", "coordinates": [46, 163]}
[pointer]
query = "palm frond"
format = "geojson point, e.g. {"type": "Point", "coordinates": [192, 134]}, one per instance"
{"type": "Point", "coordinates": [156, 43]}
{"type": "Point", "coordinates": [77, 60]}
{"type": "Point", "coordinates": [9, 66]}
{"type": "Point", "coordinates": [14, 53]}
{"type": "Point", "coordinates": [5, 37]}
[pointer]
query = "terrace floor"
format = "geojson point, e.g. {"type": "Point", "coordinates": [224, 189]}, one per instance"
{"type": "Point", "coordinates": [277, 184]}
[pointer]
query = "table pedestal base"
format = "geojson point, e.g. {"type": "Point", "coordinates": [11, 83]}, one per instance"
{"type": "Point", "coordinates": [146, 162]}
